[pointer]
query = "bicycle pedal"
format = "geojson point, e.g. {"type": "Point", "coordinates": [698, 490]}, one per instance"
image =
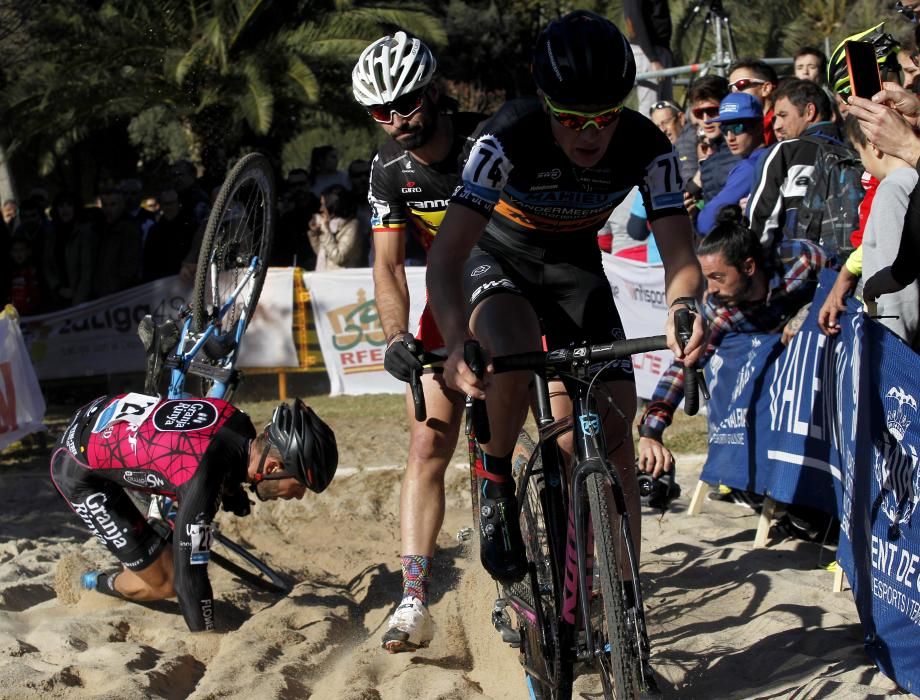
{"type": "Point", "coordinates": [464, 534]}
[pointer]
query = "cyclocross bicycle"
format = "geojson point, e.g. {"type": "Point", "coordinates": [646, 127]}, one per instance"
{"type": "Point", "coordinates": [205, 343]}
{"type": "Point", "coordinates": [581, 602]}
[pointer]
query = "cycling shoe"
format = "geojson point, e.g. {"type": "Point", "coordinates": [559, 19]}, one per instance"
{"type": "Point", "coordinates": [501, 548]}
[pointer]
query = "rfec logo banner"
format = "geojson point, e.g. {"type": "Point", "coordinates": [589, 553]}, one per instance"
{"type": "Point", "coordinates": [353, 341]}
{"type": "Point", "coordinates": [349, 329]}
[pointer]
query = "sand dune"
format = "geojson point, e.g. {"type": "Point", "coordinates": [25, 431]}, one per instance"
{"type": "Point", "coordinates": [726, 620]}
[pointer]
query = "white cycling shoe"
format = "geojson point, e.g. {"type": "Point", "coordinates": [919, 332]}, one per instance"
{"type": "Point", "coordinates": [411, 627]}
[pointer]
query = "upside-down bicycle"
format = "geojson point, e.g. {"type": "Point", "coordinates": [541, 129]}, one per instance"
{"type": "Point", "coordinates": [205, 342]}
{"type": "Point", "coordinates": [581, 603]}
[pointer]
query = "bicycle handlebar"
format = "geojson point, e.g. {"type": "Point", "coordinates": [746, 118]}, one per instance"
{"type": "Point", "coordinates": [683, 325]}
{"type": "Point", "coordinates": [538, 360]}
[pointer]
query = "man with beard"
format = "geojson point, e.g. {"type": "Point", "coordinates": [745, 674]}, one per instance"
{"type": "Point", "coordinates": [412, 178]}
{"type": "Point", "coordinates": [747, 292]}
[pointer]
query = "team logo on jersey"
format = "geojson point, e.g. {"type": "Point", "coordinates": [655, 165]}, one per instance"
{"type": "Point", "coordinates": [144, 479]}
{"type": "Point", "coordinates": [411, 186]}
{"type": "Point", "coordinates": [481, 270]}
{"type": "Point", "coordinates": [185, 414]}
{"type": "Point", "coordinates": [553, 174]}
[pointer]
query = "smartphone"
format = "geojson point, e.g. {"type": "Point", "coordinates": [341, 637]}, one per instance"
{"type": "Point", "coordinates": [862, 66]}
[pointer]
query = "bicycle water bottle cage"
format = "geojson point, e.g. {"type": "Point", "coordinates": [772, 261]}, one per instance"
{"type": "Point", "coordinates": [217, 347]}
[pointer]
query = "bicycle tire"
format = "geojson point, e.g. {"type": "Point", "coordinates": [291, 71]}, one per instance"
{"type": "Point", "coordinates": [260, 576]}
{"type": "Point", "coordinates": [617, 650]}
{"type": "Point", "coordinates": [547, 673]}
{"type": "Point", "coordinates": [241, 226]}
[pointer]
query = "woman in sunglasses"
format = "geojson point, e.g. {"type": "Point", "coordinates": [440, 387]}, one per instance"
{"type": "Point", "coordinates": [516, 257]}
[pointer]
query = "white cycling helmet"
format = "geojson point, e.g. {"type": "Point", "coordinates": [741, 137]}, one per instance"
{"type": "Point", "coordinates": [391, 67]}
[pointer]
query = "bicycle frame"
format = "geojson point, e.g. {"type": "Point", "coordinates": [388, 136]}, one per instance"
{"type": "Point", "coordinates": [224, 375]}
{"type": "Point", "coordinates": [590, 458]}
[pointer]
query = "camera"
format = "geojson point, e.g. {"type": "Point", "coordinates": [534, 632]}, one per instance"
{"type": "Point", "coordinates": [657, 492]}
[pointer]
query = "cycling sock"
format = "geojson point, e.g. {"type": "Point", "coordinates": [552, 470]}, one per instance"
{"type": "Point", "coordinates": [496, 475]}
{"type": "Point", "coordinates": [416, 570]}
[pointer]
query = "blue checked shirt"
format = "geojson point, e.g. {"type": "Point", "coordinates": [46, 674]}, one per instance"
{"type": "Point", "coordinates": [792, 286]}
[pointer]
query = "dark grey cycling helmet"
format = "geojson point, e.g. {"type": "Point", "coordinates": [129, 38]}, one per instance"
{"type": "Point", "coordinates": [583, 59]}
{"type": "Point", "coordinates": [307, 445]}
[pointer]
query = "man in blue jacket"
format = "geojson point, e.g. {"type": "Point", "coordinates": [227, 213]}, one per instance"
{"type": "Point", "coordinates": [741, 122]}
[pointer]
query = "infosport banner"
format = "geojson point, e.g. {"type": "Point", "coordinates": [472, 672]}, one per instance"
{"type": "Point", "coordinates": [774, 413]}
{"type": "Point", "coordinates": [100, 337]}
{"type": "Point", "coordinates": [638, 290]}
{"type": "Point", "coordinates": [22, 406]}
{"type": "Point", "coordinates": [349, 329]}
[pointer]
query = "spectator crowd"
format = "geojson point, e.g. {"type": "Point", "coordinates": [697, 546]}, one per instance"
{"type": "Point", "coordinates": [60, 252]}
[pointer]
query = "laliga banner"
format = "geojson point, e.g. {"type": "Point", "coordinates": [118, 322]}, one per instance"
{"type": "Point", "coordinates": [349, 329]}
{"type": "Point", "coordinates": [22, 406]}
{"type": "Point", "coordinates": [100, 336]}
{"type": "Point", "coordinates": [352, 339]}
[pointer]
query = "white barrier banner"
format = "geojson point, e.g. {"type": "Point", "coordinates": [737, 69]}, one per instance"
{"type": "Point", "coordinates": [638, 290]}
{"type": "Point", "coordinates": [352, 339]}
{"type": "Point", "coordinates": [100, 337]}
{"type": "Point", "coordinates": [349, 329]}
{"type": "Point", "coordinates": [22, 406]}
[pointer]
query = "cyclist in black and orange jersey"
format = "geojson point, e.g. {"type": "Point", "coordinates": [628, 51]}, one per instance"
{"type": "Point", "coordinates": [412, 179]}
{"type": "Point", "coordinates": [199, 451]}
{"type": "Point", "coordinates": [516, 257]}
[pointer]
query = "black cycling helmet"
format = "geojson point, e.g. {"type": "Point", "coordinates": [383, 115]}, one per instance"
{"type": "Point", "coordinates": [886, 55]}
{"type": "Point", "coordinates": [306, 443]}
{"type": "Point", "coordinates": [583, 59]}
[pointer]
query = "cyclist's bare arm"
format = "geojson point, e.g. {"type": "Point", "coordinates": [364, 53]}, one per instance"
{"type": "Point", "coordinates": [682, 278]}
{"type": "Point", "coordinates": [461, 229]}
{"type": "Point", "coordinates": [391, 289]}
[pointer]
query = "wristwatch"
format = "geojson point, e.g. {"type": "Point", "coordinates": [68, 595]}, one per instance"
{"type": "Point", "coordinates": [689, 302]}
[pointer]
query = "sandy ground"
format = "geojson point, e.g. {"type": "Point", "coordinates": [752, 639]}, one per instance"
{"type": "Point", "coordinates": [726, 620]}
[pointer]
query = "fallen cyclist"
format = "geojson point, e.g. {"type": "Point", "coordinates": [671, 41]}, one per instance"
{"type": "Point", "coordinates": [202, 452]}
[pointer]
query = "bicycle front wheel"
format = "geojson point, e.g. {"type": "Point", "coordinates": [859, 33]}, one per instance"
{"type": "Point", "coordinates": [547, 668]}
{"type": "Point", "coordinates": [239, 233]}
{"type": "Point", "coordinates": [615, 647]}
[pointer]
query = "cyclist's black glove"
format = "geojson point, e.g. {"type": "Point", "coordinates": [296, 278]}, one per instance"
{"type": "Point", "coordinates": [234, 500]}
{"type": "Point", "coordinates": [402, 356]}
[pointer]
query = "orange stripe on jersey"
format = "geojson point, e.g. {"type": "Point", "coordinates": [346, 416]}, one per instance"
{"type": "Point", "coordinates": [550, 223]}
{"type": "Point", "coordinates": [392, 227]}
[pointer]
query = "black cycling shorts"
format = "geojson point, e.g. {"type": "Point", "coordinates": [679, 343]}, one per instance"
{"type": "Point", "coordinates": [568, 291]}
{"type": "Point", "coordinates": [107, 510]}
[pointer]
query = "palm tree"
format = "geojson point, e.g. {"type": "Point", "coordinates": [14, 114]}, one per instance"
{"type": "Point", "coordinates": [216, 72]}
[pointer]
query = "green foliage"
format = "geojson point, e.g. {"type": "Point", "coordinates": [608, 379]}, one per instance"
{"type": "Point", "coordinates": [182, 76]}
{"type": "Point", "coordinates": [223, 74]}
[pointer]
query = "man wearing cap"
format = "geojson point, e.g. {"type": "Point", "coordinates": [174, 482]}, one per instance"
{"type": "Point", "coordinates": [741, 122]}
{"type": "Point", "coordinates": [803, 122]}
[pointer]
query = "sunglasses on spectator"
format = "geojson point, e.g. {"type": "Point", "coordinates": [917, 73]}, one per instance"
{"type": "Point", "coordinates": [734, 128]}
{"type": "Point", "coordinates": [705, 112]}
{"type": "Point", "coordinates": [664, 104]}
{"type": "Point", "coordinates": [907, 11]}
{"type": "Point", "coordinates": [578, 121]}
{"type": "Point", "coordinates": [745, 83]}
{"type": "Point", "coordinates": [404, 106]}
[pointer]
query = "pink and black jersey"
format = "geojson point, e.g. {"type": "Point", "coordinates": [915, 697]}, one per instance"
{"type": "Point", "coordinates": [195, 450]}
